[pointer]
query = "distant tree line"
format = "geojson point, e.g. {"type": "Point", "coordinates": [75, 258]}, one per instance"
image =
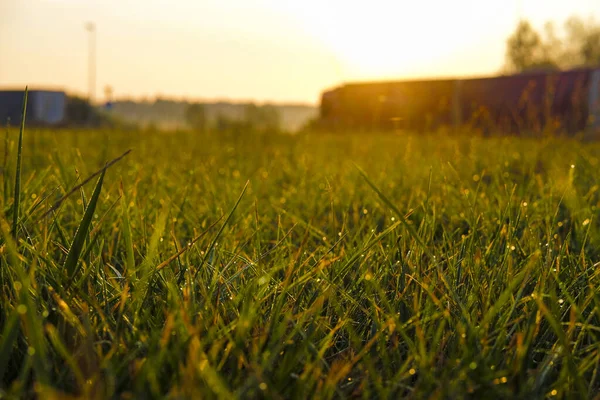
{"type": "Point", "coordinates": [258, 119]}
{"type": "Point", "coordinates": [578, 45]}
{"type": "Point", "coordinates": [171, 114]}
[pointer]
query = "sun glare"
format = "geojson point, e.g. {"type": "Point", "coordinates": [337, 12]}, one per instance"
{"type": "Point", "coordinates": [390, 39]}
{"type": "Point", "coordinates": [381, 39]}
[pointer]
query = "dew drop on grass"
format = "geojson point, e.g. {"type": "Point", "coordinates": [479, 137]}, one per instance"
{"type": "Point", "coordinates": [30, 351]}
{"type": "Point", "coordinates": [412, 371]}
{"type": "Point", "coordinates": [587, 221]}
{"type": "Point", "coordinates": [262, 280]}
{"type": "Point", "coordinates": [22, 309]}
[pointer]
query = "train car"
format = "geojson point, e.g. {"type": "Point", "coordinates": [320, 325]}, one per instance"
{"type": "Point", "coordinates": [44, 107]}
{"type": "Point", "coordinates": [566, 102]}
{"type": "Point", "coordinates": [385, 105]}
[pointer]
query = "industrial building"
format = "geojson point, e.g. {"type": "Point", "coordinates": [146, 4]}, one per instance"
{"type": "Point", "coordinates": [566, 102]}
{"type": "Point", "coordinates": [44, 107]}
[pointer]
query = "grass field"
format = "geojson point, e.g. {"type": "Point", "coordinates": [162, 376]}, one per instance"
{"type": "Point", "coordinates": [368, 265]}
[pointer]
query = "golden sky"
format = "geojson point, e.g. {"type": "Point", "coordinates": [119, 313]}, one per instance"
{"type": "Point", "coordinates": [279, 50]}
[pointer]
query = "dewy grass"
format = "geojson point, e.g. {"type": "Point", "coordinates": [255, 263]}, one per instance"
{"type": "Point", "coordinates": [17, 195]}
{"type": "Point", "coordinates": [443, 267]}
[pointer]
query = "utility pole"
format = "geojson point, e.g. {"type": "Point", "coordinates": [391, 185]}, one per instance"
{"type": "Point", "coordinates": [91, 28]}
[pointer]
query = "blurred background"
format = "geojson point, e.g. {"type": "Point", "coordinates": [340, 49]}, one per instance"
{"type": "Point", "coordinates": [147, 60]}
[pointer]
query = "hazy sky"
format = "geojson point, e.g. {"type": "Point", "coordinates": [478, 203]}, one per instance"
{"type": "Point", "coordinates": [278, 50]}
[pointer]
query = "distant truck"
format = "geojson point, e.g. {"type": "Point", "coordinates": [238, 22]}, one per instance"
{"type": "Point", "coordinates": [44, 107]}
{"type": "Point", "coordinates": [566, 102]}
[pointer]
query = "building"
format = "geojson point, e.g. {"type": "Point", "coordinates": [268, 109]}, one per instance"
{"type": "Point", "coordinates": [44, 107]}
{"type": "Point", "coordinates": [564, 102]}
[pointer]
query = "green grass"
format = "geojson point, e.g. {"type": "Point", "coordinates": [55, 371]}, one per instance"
{"type": "Point", "coordinates": [369, 265]}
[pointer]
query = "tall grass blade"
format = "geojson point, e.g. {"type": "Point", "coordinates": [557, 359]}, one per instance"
{"type": "Point", "coordinates": [102, 170]}
{"type": "Point", "coordinates": [7, 341]}
{"type": "Point", "coordinates": [17, 196]}
{"type": "Point", "coordinates": [212, 245]}
{"type": "Point", "coordinates": [72, 259]}
{"type": "Point", "coordinates": [411, 230]}
{"type": "Point", "coordinates": [129, 253]}
{"type": "Point", "coordinates": [146, 270]}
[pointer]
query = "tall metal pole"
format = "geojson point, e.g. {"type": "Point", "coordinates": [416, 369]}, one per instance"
{"type": "Point", "coordinates": [91, 28]}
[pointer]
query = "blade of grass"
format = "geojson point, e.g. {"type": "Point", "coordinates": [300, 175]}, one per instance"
{"type": "Point", "coordinates": [102, 170]}
{"type": "Point", "coordinates": [72, 259]}
{"type": "Point", "coordinates": [186, 248]}
{"type": "Point", "coordinates": [17, 196]}
{"type": "Point", "coordinates": [212, 245]}
{"type": "Point", "coordinates": [5, 162]}
{"type": "Point", "coordinates": [9, 336]}
{"type": "Point", "coordinates": [145, 272]}
{"type": "Point", "coordinates": [129, 253]}
{"type": "Point", "coordinates": [411, 230]}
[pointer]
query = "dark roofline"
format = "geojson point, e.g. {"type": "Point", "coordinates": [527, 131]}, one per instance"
{"type": "Point", "coordinates": [31, 90]}
{"type": "Point", "coordinates": [450, 79]}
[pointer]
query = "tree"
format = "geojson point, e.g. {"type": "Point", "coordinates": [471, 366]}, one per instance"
{"type": "Point", "coordinates": [526, 50]}
{"type": "Point", "coordinates": [195, 116]}
{"type": "Point", "coordinates": [584, 41]}
{"type": "Point", "coordinates": [264, 118]}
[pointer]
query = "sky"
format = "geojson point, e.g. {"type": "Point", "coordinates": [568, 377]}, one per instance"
{"type": "Point", "coordinates": [263, 50]}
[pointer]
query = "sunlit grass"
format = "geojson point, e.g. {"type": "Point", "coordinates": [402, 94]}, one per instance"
{"type": "Point", "coordinates": [440, 266]}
